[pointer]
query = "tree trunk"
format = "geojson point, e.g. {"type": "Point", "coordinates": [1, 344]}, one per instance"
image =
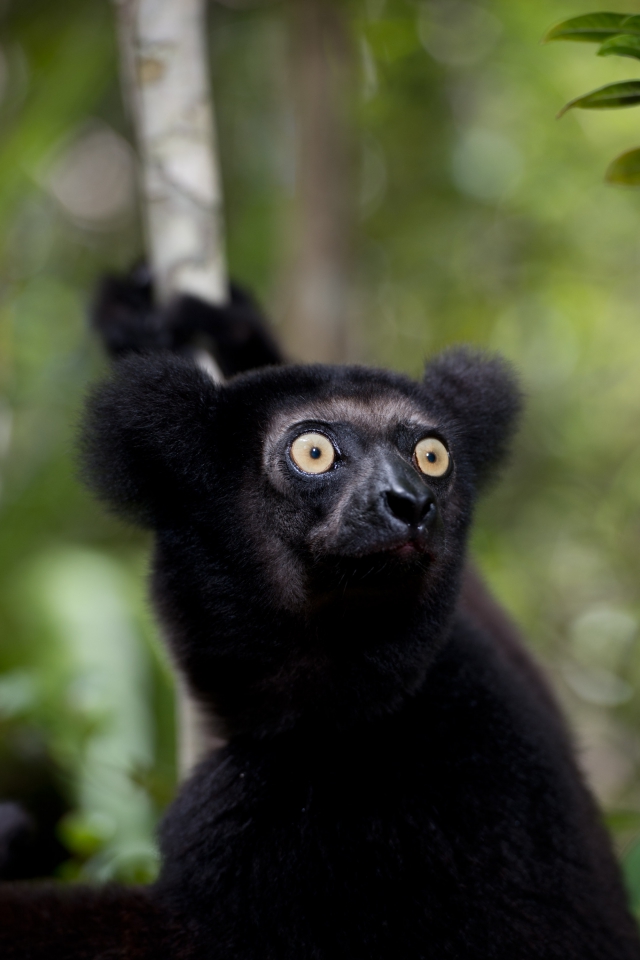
{"type": "Point", "coordinates": [166, 82]}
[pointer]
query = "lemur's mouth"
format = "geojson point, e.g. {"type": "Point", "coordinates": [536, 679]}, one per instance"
{"type": "Point", "coordinates": [409, 551]}
{"type": "Point", "coordinates": [412, 545]}
{"type": "Point", "coordinates": [391, 565]}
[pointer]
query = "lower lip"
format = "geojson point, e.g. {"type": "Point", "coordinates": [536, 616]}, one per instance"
{"type": "Point", "coordinates": [406, 552]}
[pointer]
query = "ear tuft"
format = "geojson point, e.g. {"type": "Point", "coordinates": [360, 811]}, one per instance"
{"type": "Point", "coordinates": [147, 434]}
{"type": "Point", "coordinates": [479, 394]}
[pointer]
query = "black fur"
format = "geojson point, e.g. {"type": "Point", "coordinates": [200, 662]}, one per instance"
{"type": "Point", "coordinates": [398, 782]}
{"type": "Point", "coordinates": [17, 832]}
{"type": "Point", "coordinates": [128, 321]}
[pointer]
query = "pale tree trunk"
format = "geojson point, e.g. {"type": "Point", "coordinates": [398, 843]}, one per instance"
{"type": "Point", "coordinates": [318, 282]}
{"type": "Point", "coordinates": [166, 82]}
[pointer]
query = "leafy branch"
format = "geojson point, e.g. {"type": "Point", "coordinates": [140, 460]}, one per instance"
{"type": "Point", "coordinates": [619, 36]}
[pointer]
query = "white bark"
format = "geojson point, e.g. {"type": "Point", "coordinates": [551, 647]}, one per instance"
{"type": "Point", "coordinates": [166, 78]}
{"type": "Point", "coordinates": [165, 74]}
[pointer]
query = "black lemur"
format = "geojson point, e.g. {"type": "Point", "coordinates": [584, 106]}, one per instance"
{"type": "Point", "coordinates": [398, 782]}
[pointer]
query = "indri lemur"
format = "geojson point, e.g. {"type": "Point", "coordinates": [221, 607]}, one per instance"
{"type": "Point", "coordinates": [398, 782]}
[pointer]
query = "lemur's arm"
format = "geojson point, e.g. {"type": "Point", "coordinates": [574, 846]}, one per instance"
{"type": "Point", "coordinates": [237, 334]}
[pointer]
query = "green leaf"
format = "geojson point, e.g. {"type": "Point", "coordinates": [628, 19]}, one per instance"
{"type": "Point", "coordinates": [589, 28]}
{"type": "Point", "coordinates": [625, 94]}
{"type": "Point", "coordinates": [631, 25]}
{"type": "Point", "coordinates": [624, 45]}
{"type": "Point", "coordinates": [625, 169]}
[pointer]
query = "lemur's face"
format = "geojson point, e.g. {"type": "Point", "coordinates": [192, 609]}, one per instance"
{"type": "Point", "coordinates": [369, 480]}
{"type": "Point", "coordinates": [357, 493]}
{"type": "Point", "coordinates": [321, 482]}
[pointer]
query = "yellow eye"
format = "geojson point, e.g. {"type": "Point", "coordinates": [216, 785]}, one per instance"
{"type": "Point", "coordinates": [432, 457]}
{"type": "Point", "coordinates": [313, 453]}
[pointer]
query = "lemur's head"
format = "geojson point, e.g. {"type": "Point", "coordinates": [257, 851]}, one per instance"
{"type": "Point", "coordinates": [310, 521]}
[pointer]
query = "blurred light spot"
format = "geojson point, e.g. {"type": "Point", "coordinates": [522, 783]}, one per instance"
{"type": "Point", "coordinates": [93, 180]}
{"type": "Point", "coordinates": [485, 165]}
{"type": "Point", "coordinates": [456, 33]}
{"type": "Point", "coordinates": [17, 693]}
{"type": "Point", "coordinates": [89, 693]}
{"type": "Point", "coordinates": [597, 686]}
{"type": "Point", "coordinates": [601, 639]}
{"type": "Point", "coordinates": [603, 635]}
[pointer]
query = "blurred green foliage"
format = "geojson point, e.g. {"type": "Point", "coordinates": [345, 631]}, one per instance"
{"type": "Point", "coordinates": [480, 219]}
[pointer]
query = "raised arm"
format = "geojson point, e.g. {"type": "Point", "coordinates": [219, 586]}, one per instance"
{"type": "Point", "coordinates": [128, 321]}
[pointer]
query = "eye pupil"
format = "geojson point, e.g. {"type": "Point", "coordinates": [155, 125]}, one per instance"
{"type": "Point", "coordinates": [431, 457]}
{"type": "Point", "coordinates": [315, 453]}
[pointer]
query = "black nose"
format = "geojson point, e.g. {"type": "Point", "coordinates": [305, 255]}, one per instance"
{"type": "Point", "coordinates": [407, 496]}
{"type": "Point", "coordinates": [411, 508]}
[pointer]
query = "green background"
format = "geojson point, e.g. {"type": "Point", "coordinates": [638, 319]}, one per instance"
{"type": "Point", "coordinates": [479, 218]}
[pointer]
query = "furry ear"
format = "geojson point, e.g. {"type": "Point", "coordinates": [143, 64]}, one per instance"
{"type": "Point", "coordinates": [146, 442]}
{"type": "Point", "coordinates": [479, 396]}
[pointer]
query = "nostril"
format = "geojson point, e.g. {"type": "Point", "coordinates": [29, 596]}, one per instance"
{"type": "Point", "coordinates": [410, 509]}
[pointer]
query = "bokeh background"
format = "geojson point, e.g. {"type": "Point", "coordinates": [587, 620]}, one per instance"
{"type": "Point", "coordinates": [393, 170]}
